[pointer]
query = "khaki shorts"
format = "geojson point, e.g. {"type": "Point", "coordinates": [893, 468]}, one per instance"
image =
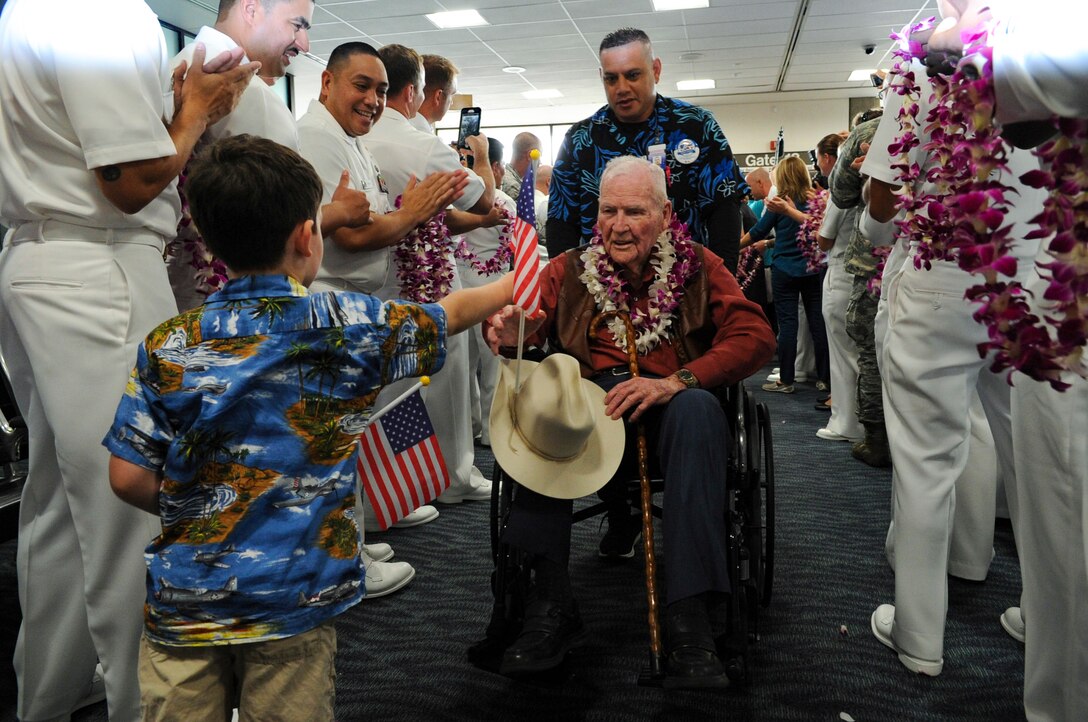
{"type": "Point", "coordinates": [282, 680]}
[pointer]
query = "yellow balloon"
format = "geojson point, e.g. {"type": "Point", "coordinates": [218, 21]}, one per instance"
{"type": "Point", "coordinates": [534, 154]}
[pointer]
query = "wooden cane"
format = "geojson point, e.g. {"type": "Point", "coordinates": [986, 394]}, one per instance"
{"type": "Point", "coordinates": [656, 656]}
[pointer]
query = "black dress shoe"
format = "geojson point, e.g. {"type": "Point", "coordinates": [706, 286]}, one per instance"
{"type": "Point", "coordinates": [624, 532]}
{"type": "Point", "coordinates": [693, 661]}
{"type": "Point", "coordinates": [822, 406]}
{"type": "Point", "coordinates": [548, 633]}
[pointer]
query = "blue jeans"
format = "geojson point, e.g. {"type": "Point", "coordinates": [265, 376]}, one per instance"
{"type": "Point", "coordinates": [787, 289]}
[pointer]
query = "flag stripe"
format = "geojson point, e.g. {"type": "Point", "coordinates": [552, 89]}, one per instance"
{"type": "Point", "coordinates": [437, 475]}
{"type": "Point", "coordinates": [370, 477]}
{"type": "Point", "coordinates": [395, 508]}
{"type": "Point", "coordinates": [420, 486]}
{"type": "Point", "coordinates": [405, 475]}
{"type": "Point", "coordinates": [390, 469]}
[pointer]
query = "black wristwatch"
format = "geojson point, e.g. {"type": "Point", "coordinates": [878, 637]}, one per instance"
{"type": "Point", "coordinates": [687, 378]}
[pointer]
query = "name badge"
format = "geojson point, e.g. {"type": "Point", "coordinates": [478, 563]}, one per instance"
{"type": "Point", "coordinates": [381, 184]}
{"type": "Point", "coordinates": [687, 151]}
{"type": "Point", "coordinates": [656, 154]}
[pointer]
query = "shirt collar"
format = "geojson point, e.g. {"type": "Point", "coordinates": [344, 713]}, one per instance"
{"type": "Point", "coordinates": [259, 286]}
{"type": "Point", "coordinates": [322, 116]}
{"type": "Point", "coordinates": [607, 116]}
{"type": "Point", "coordinates": [216, 42]}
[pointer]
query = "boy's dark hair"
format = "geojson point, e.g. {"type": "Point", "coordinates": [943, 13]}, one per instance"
{"type": "Point", "coordinates": [246, 195]}
{"type": "Point", "coordinates": [623, 36]}
{"type": "Point", "coordinates": [343, 53]}
{"type": "Point", "coordinates": [402, 65]}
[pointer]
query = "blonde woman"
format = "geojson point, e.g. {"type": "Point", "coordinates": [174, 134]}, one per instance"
{"type": "Point", "coordinates": [790, 278]}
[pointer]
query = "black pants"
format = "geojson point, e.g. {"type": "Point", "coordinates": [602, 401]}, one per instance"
{"type": "Point", "coordinates": [691, 438]}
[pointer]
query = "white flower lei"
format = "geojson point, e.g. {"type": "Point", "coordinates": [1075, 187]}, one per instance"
{"type": "Point", "coordinates": [611, 293]}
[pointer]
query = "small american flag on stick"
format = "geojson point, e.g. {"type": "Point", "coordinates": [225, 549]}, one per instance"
{"type": "Point", "coordinates": [400, 463]}
{"type": "Point", "coordinates": [526, 249]}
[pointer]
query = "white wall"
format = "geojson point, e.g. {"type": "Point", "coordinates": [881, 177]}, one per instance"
{"type": "Point", "coordinates": [750, 127]}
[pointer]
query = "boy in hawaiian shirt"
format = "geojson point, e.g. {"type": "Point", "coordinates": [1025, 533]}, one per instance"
{"type": "Point", "coordinates": [238, 428]}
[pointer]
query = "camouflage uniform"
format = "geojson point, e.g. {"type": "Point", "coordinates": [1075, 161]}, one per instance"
{"type": "Point", "coordinates": [846, 186]}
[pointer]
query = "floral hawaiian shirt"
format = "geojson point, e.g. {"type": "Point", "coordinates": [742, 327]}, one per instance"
{"type": "Point", "coordinates": [250, 406]}
{"type": "Point", "coordinates": [700, 169]}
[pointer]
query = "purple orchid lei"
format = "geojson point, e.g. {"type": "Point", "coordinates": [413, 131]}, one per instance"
{"type": "Point", "coordinates": [808, 234]}
{"type": "Point", "coordinates": [500, 260]}
{"type": "Point", "coordinates": [880, 253]}
{"type": "Point", "coordinates": [674, 262]}
{"type": "Point", "coordinates": [964, 221]}
{"type": "Point", "coordinates": [749, 263]}
{"type": "Point", "coordinates": [425, 261]}
{"type": "Point", "coordinates": [211, 273]}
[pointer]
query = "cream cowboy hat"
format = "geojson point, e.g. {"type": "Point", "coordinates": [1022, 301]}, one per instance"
{"type": "Point", "coordinates": [553, 436]}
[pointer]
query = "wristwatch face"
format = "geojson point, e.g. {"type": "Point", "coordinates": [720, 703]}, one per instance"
{"type": "Point", "coordinates": [688, 378]}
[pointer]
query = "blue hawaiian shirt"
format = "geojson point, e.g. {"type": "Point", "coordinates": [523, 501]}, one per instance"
{"type": "Point", "coordinates": [250, 406]}
{"type": "Point", "coordinates": [701, 171]}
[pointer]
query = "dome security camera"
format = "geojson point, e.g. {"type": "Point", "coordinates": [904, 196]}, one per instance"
{"type": "Point", "coordinates": [869, 48]}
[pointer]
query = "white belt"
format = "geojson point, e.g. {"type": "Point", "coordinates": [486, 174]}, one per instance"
{"type": "Point", "coordinates": [49, 230]}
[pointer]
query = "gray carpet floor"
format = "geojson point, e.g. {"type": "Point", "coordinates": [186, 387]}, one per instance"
{"type": "Point", "coordinates": [403, 657]}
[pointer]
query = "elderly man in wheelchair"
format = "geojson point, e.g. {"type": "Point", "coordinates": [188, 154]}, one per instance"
{"type": "Point", "coordinates": [693, 330]}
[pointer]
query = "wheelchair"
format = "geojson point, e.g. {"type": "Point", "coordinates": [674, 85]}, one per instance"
{"type": "Point", "coordinates": [13, 455]}
{"type": "Point", "coordinates": [749, 516]}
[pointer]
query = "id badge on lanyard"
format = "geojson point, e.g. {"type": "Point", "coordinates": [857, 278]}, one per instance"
{"type": "Point", "coordinates": [656, 155]}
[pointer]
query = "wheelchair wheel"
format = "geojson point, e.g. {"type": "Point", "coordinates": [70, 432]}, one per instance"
{"type": "Point", "coordinates": [767, 509]}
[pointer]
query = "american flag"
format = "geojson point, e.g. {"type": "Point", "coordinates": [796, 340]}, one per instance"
{"type": "Point", "coordinates": [526, 251]}
{"type": "Point", "coordinates": [400, 463]}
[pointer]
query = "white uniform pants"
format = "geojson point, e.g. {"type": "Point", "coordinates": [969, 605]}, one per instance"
{"type": "Point", "coordinates": [971, 545]}
{"type": "Point", "coordinates": [71, 316]}
{"type": "Point", "coordinates": [1049, 437]}
{"type": "Point", "coordinates": [483, 365]}
{"type": "Point", "coordinates": [842, 352]}
{"type": "Point", "coordinates": [931, 371]}
{"type": "Point", "coordinates": [805, 363]}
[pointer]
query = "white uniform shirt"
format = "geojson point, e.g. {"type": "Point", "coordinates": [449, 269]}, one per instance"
{"type": "Point", "coordinates": [63, 115]}
{"type": "Point", "coordinates": [331, 151]}
{"type": "Point", "coordinates": [878, 164]}
{"type": "Point", "coordinates": [402, 151]}
{"type": "Point", "coordinates": [484, 242]}
{"type": "Point", "coordinates": [422, 124]}
{"type": "Point", "coordinates": [260, 111]}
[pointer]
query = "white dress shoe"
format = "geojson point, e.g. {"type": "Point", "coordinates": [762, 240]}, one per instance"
{"type": "Point", "coordinates": [422, 515]}
{"type": "Point", "coordinates": [384, 578]}
{"type": "Point", "coordinates": [477, 489]}
{"type": "Point", "coordinates": [829, 435]}
{"type": "Point", "coordinates": [1013, 623]}
{"type": "Point", "coordinates": [881, 623]}
{"type": "Point", "coordinates": [378, 552]}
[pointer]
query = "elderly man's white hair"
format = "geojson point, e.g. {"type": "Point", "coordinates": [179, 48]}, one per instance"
{"type": "Point", "coordinates": [628, 164]}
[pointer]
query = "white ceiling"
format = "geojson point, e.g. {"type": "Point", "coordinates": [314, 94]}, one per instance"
{"type": "Point", "coordinates": [747, 47]}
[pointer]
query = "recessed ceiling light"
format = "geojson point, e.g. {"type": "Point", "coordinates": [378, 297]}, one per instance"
{"type": "Point", "coordinates": [541, 94]}
{"type": "Point", "coordinates": [457, 19]}
{"type": "Point", "coordinates": [700, 84]}
{"type": "Point", "coordinates": [859, 75]}
{"type": "Point", "coordinates": [513, 69]}
{"type": "Point", "coordinates": [661, 5]}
